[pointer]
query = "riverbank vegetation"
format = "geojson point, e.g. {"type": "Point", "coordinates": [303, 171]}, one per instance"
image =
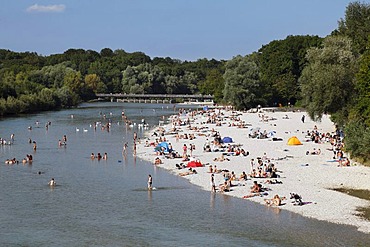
{"type": "Point", "coordinates": [328, 75]}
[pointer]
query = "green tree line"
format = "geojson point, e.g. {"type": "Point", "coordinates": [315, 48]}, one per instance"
{"type": "Point", "coordinates": [30, 82]}
{"type": "Point", "coordinates": [328, 75]}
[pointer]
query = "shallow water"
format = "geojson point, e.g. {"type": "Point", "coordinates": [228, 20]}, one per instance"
{"type": "Point", "coordinates": [105, 203]}
{"type": "Point", "coordinates": [363, 194]}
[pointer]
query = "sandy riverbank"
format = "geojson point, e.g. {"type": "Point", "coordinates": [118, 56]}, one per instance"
{"type": "Point", "coordinates": [311, 176]}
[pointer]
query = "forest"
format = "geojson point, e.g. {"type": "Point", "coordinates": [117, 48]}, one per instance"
{"type": "Point", "coordinates": [329, 75]}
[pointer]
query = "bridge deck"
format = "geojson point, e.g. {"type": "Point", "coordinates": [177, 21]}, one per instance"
{"type": "Point", "coordinates": [156, 96]}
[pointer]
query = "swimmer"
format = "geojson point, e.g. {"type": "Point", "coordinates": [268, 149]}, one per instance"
{"type": "Point", "coordinates": [52, 182]}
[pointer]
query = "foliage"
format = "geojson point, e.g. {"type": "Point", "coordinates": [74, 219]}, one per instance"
{"type": "Point", "coordinates": [77, 75]}
{"type": "Point", "coordinates": [357, 140]}
{"type": "Point", "coordinates": [361, 110]}
{"type": "Point", "coordinates": [356, 25]}
{"type": "Point", "coordinates": [146, 78]}
{"type": "Point", "coordinates": [281, 63]}
{"type": "Point", "coordinates": [358, 129]}
{"type": "Point", "coordinates": [93, 82]}
{"type": "Point", "coordinates": [327, 81]}
{"type": "Point", "coordinates": [242, 84]}
{"type": "Point", "coordinates": [213, 84]}
{"type": "Point", "coordinates": [330, 75]}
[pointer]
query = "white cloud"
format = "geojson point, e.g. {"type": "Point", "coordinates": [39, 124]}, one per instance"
{"type": "Point", "coordinates": [46, 8]}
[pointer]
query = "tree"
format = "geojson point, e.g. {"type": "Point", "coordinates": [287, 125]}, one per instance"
{"type": "Point", "coordinates": [7, 83]}
{"type": "Point", "coordinates": [242, 85]}
{"type": "Point", "coordinates": [47, 99]}
{"type": "Point", "coordinates": [143, 78]}
{"type": "Point", "coordinates": [357, 140]}
{"type": "Point", "coordinates": [14, 105]}
{"type": "Point", "coordinates": [66, 98]}
{"type": "Point", "coordinates": [281, 63]}
{"type": "Point", "coordinates": [361, 110]}
{"type": "Point", "coordinates": [172, 84]}
{"type": "Point", "coordinates": [129, 80]}
{"type": "Point", "coordinates": [73, 81]}
{"type": "Point", "coordinates": [327, 83]}
{"type": "Point", "coordinates": [106, 52]}
{"type": "Point", "coordinates": [214, 84]}
{"type": "Point", "coordinates": [93, 82]}
{"type": "Point", "coordinates": [31, 102]}
{"type": "Point", "coordinates": [51, 76]}
{"type": "Point", "coordinates": [356, 25]}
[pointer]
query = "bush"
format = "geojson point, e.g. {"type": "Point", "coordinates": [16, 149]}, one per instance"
{"type": "Point", "coordinates": [357, 141]}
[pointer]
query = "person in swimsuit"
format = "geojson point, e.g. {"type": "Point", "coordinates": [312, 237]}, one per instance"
{"type": "Point", "coordinates": [150, 182]}
{"type": "Point", "coordinates": [213, 185]}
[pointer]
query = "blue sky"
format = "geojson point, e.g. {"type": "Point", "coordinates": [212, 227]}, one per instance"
{"type": "Point", "coordinates": [181, 29]}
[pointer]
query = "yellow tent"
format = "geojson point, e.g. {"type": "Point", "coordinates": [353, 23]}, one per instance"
{"type": "Point", "coordinates": [294, 141]}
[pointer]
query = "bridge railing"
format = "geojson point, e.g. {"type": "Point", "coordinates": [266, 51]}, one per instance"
{"type": "Point", "coordinates": [167, 96]}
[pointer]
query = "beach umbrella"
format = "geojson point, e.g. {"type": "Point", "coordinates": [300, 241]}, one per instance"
{"type": "Point", "coordinates": [194, 163]}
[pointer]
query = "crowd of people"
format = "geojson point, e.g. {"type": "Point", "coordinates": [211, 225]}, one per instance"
{"type": "Point", "coordinates": [62, 142]}
{"type": "Point", "coordinates": [188, 125]}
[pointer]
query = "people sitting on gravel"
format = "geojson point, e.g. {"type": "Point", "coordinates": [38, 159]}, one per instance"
{"type": "Point", "coordinates": [243, 176]}
{"type": "Point", "coordinates": [256, 188]}
{"type": "Point", "coordinates": [190, 172]}
{"type": "Point", "coordinates": [275, 201]}
{"type": "Point", "coordinates": [346, 162]}
{"type": "Point", "coordinates": [225, 187]}
{"type": "Point", "coordinates": [221, 158]}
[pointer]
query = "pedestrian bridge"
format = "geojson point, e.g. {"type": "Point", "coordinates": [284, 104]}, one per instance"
{"type": "Point", "coordinates": [155, 98]}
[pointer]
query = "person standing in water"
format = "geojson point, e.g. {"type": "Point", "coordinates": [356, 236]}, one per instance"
{"type": "Point", "coordinates": [52, 182]}
{"type": "Point", "coordinates": [213, 185]}
{"type": "Point", "coordinates": [150, 182]}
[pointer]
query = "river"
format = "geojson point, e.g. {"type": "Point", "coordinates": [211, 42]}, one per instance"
{"type": "Point", "coordinates": [105, 203]}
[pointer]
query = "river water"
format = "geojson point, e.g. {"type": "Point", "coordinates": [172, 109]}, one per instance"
{"type": "Point", "coordinates": [105, 203]}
